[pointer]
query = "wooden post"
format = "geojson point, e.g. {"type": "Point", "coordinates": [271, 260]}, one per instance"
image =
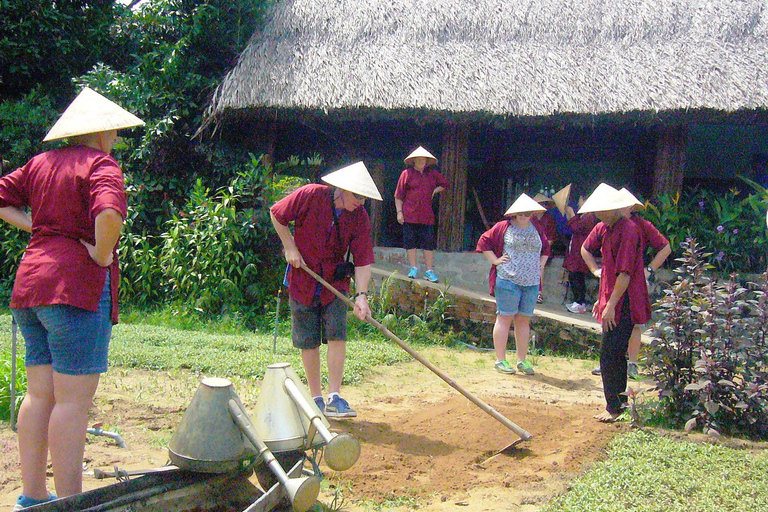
{"type": "Point", "coordinates": [376, 208]}
{"type": "Point", "coordinates": [453, 165]}
{"type": "Point", "coordinates": [669, 165]}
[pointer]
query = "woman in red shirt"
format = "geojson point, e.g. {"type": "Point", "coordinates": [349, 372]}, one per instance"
{"type": "Point", "coordinates": [65, 293]}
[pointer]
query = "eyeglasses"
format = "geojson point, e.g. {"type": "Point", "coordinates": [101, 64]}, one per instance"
{"type": "Point", "coordinates": [359, 197]}
{"type": "Point", "coordinates": [524, 214]}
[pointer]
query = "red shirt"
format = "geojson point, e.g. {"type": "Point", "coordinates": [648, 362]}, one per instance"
{"type": "Point", "coordinates": [317, 236]}
{"type": "Point", "coordinates": [415, 189]}
{"type": "Point", "coordinates": [65, 190]}
{"type": "Point", "coordinates": [581, 226]}
{"type": "Point", "coordinates": [622, 253]}
{"type": "Point", "coordinates": [650, 235]}
{"type": "Point", "coordinates": [493, 240]}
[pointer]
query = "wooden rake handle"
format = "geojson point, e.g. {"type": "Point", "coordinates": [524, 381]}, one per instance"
{"type": "Point", "coordinates": [524, 435]}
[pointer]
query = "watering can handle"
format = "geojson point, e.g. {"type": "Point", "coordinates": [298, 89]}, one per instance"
{"type": "Point", "coordinates": [472, 398]}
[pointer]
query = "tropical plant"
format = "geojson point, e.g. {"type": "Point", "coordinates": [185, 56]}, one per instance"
{"type": "Point", "coordinates": [709, 355]}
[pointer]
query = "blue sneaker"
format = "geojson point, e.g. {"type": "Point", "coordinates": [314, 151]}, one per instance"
{"type": "Point", "coordinates": [24, 502]}
{"type": "Point", "coordinates": [320, 403]}
{"type": "Point", "coordinates": [413, 273]}
{"type": "Point", "coordinates": [430, 276]}
{"type": "Point", "coordinates": [339, 408]}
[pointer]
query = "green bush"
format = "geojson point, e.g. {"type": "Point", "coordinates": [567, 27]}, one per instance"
{"type": "Point", "coordinates": [731, 224]}
{"type": "Point", "coordinates": [709, 355]}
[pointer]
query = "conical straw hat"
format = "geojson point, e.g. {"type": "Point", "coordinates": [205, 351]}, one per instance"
{"type": "Point", "coordinates": [561, 198]}
{"type": "Point", "coordinates": [91, 112]}
{"type": "Point", "coordinates": [631, 197]}
{"type": "Point", "coordinates": [420, 151]}
{"type": "Point", "coordinates": [524, 204]}
{"type": "Point", "coordinates": [354, 178]}
{"type": "Point", "coordinates": [541, 198]}
{"type": "Point", "coordinates": [605, 198]}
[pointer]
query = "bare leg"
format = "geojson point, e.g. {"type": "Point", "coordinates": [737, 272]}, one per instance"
{"type": "Point", "coordinates": [67, 429]}
{"type": "Point", "coordinates": [634, 344]}
{"type": "Point", "coordinates": [501, 335]}
{"type": "Point", "coordinates": [34, 416]}
{"type": "Point", "coordinates": [337, 354]}
{"type": "Point", "coordinates": [429, 259]}
{"type": "Point", "coordinates": [310, 358]}
{"type": "Point", "coordinates": [522, 335]}
{"type": "Point", "coordinates": [411, 253]}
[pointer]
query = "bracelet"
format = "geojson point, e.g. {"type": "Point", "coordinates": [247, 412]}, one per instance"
{"type": "Point", "coordinates": [361, 293]}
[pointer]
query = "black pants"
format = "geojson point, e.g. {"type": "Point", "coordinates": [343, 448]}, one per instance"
{"type": "Point", "coordinates": [613, 360]}
{"type": "Point", "coordinates": [578, 283]}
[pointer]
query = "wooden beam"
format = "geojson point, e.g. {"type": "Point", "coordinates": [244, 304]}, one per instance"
{"type": "Point", "coordinates": [453, 165]}
{"type": "Point", "coordinates": [669, 165]}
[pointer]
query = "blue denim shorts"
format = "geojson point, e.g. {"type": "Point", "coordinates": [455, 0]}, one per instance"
{"type": "Point", "coordinates": [73, 340]}
{"type": "Point", "coordinates": [315, 324]}
{"type": "Point", "coordinates": [512, 299]}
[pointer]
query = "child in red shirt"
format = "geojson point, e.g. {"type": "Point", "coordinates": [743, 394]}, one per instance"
{"type": "Point", "coordinates": [417, 186]}
{"type": "Point", "coordinates": [623, 295]}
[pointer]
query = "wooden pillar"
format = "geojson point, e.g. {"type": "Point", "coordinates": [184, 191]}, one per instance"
{"type": "Point", "coordinates": [453, 165]}
{"type": "Point", "coordinates": [376, 208]}
{"type": "Point", "coordinates": [669, 165]}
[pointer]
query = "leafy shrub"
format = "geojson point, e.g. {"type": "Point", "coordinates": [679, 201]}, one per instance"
{"type": "Point", "coordinates": [731, 224]}
{"type": "Point", "coordinates": [709, 355]}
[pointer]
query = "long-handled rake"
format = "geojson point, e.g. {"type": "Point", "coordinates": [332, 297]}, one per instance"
{"type": "Point", "coordinates": [524, 435]}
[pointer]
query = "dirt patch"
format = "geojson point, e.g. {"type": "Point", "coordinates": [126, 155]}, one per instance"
{"type": "Point", "coordinates": [423, 444]}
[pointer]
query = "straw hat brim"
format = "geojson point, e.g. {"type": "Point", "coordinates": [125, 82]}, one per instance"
{"type": "Point", "coordinates": [524, 203]}
{"type": "Point", "coordinates": [354, 178]}
{"type": "Point", "coordinates": [90, 112]}
{"type": "Point", "coordinates": [561, 198]}
{"type": "Point", "coordinates": [605, 198]}
{"type": "Point", "coordinates": [421, 152]}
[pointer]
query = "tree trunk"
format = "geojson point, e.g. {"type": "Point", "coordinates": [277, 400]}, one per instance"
{"type": "Point", "coordinates": [453, 165]}
{"type": "Point", "coordinates": [669, 166]}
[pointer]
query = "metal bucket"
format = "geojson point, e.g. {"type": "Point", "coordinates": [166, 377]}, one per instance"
{"type": "Point", "coordinates": [278, 419]}
{"type": "Point", "coordinates": [208, 440]}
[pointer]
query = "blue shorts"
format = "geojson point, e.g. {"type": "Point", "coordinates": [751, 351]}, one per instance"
{"type": "Point", "coordinates": [512, 299]}
{"type": "Point", "coordinates": [74, 341]}
{"type": "Point", "coordinates": [315, 324]}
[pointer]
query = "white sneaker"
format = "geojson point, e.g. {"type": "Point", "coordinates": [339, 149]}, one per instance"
{"type": "Point", "coordinates": [575, 307]}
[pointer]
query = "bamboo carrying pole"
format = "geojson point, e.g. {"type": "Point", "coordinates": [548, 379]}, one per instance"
{"type": "Point", "coordinates": [524, 435]}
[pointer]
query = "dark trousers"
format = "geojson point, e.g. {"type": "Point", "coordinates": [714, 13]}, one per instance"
{"type": "Point", "coordinates": [613, 360]}
{"type": "Point", "coordinates": [578, 283]}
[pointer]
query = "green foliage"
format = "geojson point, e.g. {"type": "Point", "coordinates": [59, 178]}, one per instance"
{"type": "Point", "coordinates": [46, 42]}
{"type": "Point", "coordinates": [732, 225]}
{"type": "Point", "coordinates": [709, 354]}
{"type": "Point", "coordinates": [23, 124]}
{"type": "Point", "coordinates": [5, 370]}
{"type": "Point", "coordinates": [646, 472]}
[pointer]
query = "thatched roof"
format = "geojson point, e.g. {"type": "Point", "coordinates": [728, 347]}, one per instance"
{"type": "Point", "coordinates": [505, 57]}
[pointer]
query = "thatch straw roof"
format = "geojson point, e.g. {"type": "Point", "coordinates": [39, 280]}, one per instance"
{"type": "Point", "coordinates": [505, 57]}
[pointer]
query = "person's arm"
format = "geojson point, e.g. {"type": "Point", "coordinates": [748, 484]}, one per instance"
{"type": "Point", "coordinates": [437, 191]}
{"type": "Point", "coordinates": [658, 260]}
{"type": "Point", "coordinates": [292, 255]}
{"type": "Point", "coordinates": [109, 224]}
{"type": "Point", "coordinates": [399, 208]}
{"type": "Point", "coordinates": [542, 262]}
{"type": "Point", "coordinates": [16, 217]}
{"type": "Point", "coordinates": [362, 281]}
{"type": "Point", "coordinates": [591, 262]}
{"type": "Point", "coordinates": [493, 259]}
{"type": "Point", "coordinates": [609, 313]}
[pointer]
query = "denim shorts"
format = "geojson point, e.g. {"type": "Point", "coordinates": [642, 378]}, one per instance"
{"type": "Point", "coordinates": [73, 340]}
{"type": "Point", "coordinates": [315, 324]}
{"type": "Point", "coordinates": [512, 299]}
